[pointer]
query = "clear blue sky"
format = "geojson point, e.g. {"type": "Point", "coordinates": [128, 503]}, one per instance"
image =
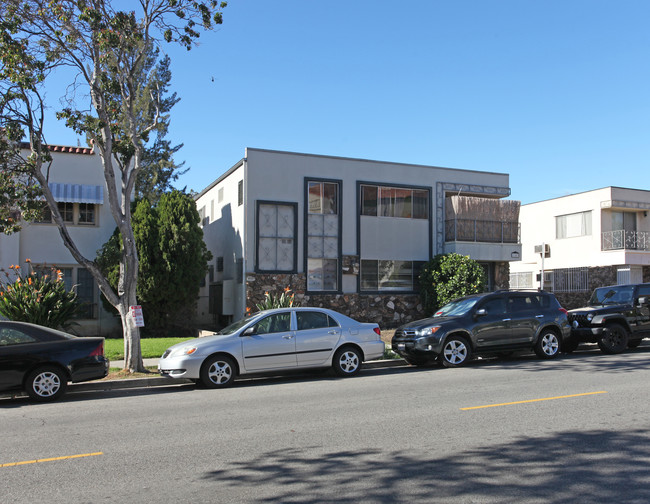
{"type": "Point", "coordinates": [555, 93]}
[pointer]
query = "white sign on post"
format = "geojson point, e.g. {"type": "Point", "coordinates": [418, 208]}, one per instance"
{"type": "Point", "coordinates": [136, 314]}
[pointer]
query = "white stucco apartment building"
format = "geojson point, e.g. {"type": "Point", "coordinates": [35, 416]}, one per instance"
{"type": "Point", "coordinates": [594, 238]}
{"type": "Point", "coordinates": [345, 233]}
{"type": "Point", "coordinates": [76, 178]}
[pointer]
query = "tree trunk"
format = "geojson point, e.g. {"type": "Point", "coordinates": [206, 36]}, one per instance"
{"type": "Point", "coordinates": [132, 351]}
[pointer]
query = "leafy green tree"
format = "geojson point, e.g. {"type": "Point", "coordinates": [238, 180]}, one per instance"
{"type": "Point", "coordinates": [37, 298]}
{"type": "Point", "coordinates": [158, 168]}
{"type": "Point", "coordinates": [173, 261]}
{"type": "Point", "coordinates": [109, 101]}
{"type": "Point", "coordinates": [447, 277]}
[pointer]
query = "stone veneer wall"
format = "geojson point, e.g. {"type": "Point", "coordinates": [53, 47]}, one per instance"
{"type": "Point", "coordinates": [502, 276]}
{"type": "Point", "coordinates": [387, 310]}
{"type": "Point", "coordinates": [598, 276]}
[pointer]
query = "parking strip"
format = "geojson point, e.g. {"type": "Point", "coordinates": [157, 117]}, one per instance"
{"type": "Point", "coordinates": [52, 459]}
{"type": "Point", "coordinates": [532, 400]}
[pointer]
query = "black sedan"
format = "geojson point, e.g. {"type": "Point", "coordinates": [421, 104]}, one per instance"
{"type": "Point", "coordinates": [41, 361]}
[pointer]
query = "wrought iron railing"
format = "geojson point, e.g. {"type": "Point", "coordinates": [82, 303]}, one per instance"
{"type": "Point", "coordinates": [474, 230]}
{"type": "Point", "coordinates": [625, 240]}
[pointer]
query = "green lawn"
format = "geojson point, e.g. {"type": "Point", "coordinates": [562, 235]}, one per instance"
{"type": "Point", "coordinates": [152, 348]}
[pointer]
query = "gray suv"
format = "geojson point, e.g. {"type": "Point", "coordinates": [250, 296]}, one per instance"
{"type": "Point", "coordinates": [489, 323]}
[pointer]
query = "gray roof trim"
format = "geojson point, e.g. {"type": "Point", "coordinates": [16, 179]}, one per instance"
{"type": "Point", "coordinates": [374, 161]}
{"type": "Point", "coordinates": [221, 178]}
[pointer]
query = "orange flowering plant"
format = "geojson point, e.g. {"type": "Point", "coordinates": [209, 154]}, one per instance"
{"type": "Point", "coordinates": [283, 300]}
{"type": "Point", "coordinates": [37, 298]}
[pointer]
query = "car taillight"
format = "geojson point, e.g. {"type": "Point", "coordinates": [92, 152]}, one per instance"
{"type": "Point", "coordinates": [564, 310]}
{"type": "Point", "coordinates": [99, 351]}
{"type": "Point", "coordinates": [377, 330]}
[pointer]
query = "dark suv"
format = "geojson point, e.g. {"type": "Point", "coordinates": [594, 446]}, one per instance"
{"type": "Point", "coordinates": [494, 322]}
{"type": "Point", "coordinates": [618, 317]}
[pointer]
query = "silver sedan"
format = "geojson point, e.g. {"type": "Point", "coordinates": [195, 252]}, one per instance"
{"type": "Point", "coordinates": [274, 340]}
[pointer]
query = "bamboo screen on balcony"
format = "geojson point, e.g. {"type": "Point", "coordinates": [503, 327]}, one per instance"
{"type": "Point", "coordinates": [471, 218]}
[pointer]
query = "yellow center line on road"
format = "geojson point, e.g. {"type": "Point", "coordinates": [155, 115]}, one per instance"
{"type": "Point", "coordinates": [532, 400]}
{"type": "Point", "coordinates": [52, 459]}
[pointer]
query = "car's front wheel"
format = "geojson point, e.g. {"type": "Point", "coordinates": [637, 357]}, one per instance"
{"type": "Point", "coordinates": [347, 361]}
{"type": "Point", "coordinates": [456, 352]}
{"type": "Point", "coordinates": [548, 345]}
{"type": "Point", "coordinates": [218, 372]}
{"type": "Point", "coordinates": [613, 340]}
{"type": "Point", "coordinates": [46, 383]}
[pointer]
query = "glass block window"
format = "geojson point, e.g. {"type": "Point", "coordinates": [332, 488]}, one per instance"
{"type": "Point", "coordinates": [276, 237]}
{"type": "Point", "coordinates": [323, 236]}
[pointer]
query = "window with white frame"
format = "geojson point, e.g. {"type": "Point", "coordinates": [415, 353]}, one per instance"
{"type": "Point", "coordinates": [382, 201]}
{"type": "Point", "coordinates": [276, 242]}
{"type": "Point", "coordinates": [323, 235]}
{"type": "Point", "coordinates": [573, 225]}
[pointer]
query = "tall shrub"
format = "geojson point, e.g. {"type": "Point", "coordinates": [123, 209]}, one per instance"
{"type": "Point", "coordinates": [173, 260]}
{"type": "Point", "coordinates": [39, 299]}
{"type": "Point", "coordinates": [447, 277]}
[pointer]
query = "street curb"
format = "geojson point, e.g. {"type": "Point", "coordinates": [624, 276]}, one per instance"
{"type": "Point", "coordinates": [159, 381]}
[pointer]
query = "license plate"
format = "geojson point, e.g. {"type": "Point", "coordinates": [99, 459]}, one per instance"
{"type": "Point", "coordinates": [401, 346]}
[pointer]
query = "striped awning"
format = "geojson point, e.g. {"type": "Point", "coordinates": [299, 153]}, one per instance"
{"type": "Point", "coordinates": [77, 193]}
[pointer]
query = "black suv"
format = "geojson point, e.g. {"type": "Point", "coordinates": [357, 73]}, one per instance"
{"type": "Point", "coordinates": [618, 317]}
{"type": "Point", "coordinates": [494, 322]}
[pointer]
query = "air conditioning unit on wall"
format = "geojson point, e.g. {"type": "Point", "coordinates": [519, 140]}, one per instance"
{"type": "Point", "coordinates": [547, 249]}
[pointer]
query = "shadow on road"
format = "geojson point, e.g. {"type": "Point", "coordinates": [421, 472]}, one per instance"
{"type": "Point", "coordinates": [567, 468]}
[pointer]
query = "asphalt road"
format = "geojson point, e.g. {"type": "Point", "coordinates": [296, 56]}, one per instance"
{"type": "Point", "coordinates": [573, 430]}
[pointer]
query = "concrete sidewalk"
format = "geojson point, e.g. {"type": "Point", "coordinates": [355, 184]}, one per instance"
{"type": "Point", "coordinates": [147, 363]}
{"type": "Point", "coordinates": [159, 381]}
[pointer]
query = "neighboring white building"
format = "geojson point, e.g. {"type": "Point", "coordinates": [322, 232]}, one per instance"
{"type": "Point", "coordinates": [599, 237]}
{"type": "Point", "coordinates": [346, 233]}
{"type": "Point", "coordinates": [77, 183]}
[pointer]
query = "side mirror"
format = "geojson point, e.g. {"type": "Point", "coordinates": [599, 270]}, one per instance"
{"type": "Point", "coordinates": [480, 312]}
{"type": "Point", "coordinates": [249, 331]}
{"type": "Point", "coordinates": [643, 301]}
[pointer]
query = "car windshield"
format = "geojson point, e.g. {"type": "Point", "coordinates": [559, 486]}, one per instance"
{"type": "Point", "coordinates": [612, 295]}
{"type": "Point", "coordinates": [456, 308]}
{"type": "Point", "coordinates": [236, 326]}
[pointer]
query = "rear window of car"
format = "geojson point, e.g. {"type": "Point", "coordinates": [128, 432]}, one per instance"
{"type": "Point", "coordinates": [10, 336]}
{"type": "Point", "coordinates": [314, 320]}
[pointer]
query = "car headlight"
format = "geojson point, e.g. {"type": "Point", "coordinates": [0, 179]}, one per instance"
{"type": "Point", "coordinates": [188, 350]}
{"type": "Point", "coordinates": [428, 331]}
{"type": "Point", "coordinates": [590, 317]}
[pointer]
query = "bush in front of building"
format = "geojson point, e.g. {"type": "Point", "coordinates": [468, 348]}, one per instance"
{"type": "Point", "coordinates": [37, 298]}
{"type": "Point", "coordinates": [447, 277]}
{"type": "Point", "coordinates": [282, 300]}
{"type": "Point", "coordinates": [173, 260]}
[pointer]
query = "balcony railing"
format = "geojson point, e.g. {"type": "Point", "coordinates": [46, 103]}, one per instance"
{"type": "Point", "coordinates": [473, 230]}
{"type": "Point", "coordinates": [625, 240]}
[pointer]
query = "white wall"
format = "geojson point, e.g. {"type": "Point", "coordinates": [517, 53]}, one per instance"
{"type": "Point", "coordinates": [42, 244]}
{"type": "Point", "coordinates": [280, 176]}
{"type": "Point", "coordinates": [223, 234]}
{"type": "Point", "coordinates": [538, 221]}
